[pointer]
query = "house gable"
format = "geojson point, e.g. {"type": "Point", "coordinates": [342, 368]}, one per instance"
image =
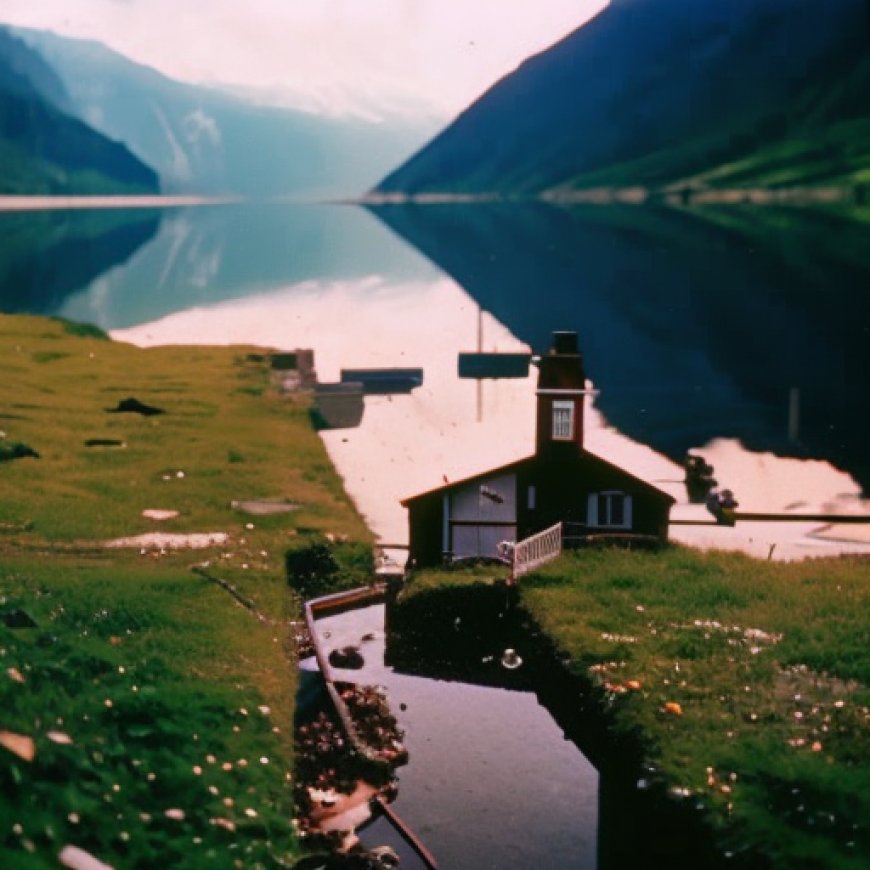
{"type": "Point", "coordinates": [561, 482]}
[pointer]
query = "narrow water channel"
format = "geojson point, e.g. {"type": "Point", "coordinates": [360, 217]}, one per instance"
{"type": "Point", "coordinates": [491, 782]}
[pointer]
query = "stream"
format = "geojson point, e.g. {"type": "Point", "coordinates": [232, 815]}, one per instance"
{"type": "Point", "coordinates": [492, 782]}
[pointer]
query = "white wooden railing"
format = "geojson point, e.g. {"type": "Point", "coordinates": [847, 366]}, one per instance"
{"type": "Point", "coordinates": [537, 549]}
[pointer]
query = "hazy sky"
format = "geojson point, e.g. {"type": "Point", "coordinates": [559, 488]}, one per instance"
{"type": "Point", "coordinates": [428, 57]}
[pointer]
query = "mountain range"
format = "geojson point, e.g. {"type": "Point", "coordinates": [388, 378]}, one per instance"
{"type": "Point", "coordinates": [669, 95]}
{"type": "Point", "coordinates": [44, 149]}
{"type": "Point", "coordinates": [205, 141]}
{"type": "Point", "coordinates": [76, 117]}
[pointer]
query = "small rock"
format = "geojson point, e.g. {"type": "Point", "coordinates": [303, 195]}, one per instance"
{"type": "Point", "coordinates": [227, 824]}
{"type": "Point", "coordinates": [19, 744]}
{"type": "Point", "coordinates": [510, 659]}
{"type": "Point", "coordinates": [134, 406]}
{"type": "Point", "coordinates": [159, 514]}
{"type": "Point", "coordinates": [347, 657]}
{"type": "Point", "coordinates": [385, 857]}
{"type": "Point", "coordinates": [17, 618]}
{"type": "Point", "coordinates": [78, 859]}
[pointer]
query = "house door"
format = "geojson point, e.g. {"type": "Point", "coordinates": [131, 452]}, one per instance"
{"type": "Point", "coordinates": [482, 514]}
{"type": "Point", "coordinates": [479, 540]}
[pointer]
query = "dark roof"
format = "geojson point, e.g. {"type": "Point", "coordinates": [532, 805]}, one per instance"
{"type": "Point", "coordinates": [583, 455]}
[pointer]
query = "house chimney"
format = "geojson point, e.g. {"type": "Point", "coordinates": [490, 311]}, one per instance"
{"type": "Point", "coordinates": [561, 391]}
{"type": "Point", "coordinates": [565, 343]}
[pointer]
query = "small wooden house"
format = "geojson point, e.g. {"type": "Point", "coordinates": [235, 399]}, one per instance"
{"type": "Point", "coordinates": [561, 482]}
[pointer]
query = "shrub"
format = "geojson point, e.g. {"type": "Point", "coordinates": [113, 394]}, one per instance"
{"type": "Point", "coordinates": [82, 330]}
{"type": "Point", "coordinates": [16, 450]}
{"type": "Point", "coordinates": [319, 567]}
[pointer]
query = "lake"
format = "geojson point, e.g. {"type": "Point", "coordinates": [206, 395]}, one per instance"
{"type": "Point", "coordinates": [742, 334]}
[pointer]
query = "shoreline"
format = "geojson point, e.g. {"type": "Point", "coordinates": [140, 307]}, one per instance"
{"type": "Point", "coordinates": [379, 461]}
{"type": "Point", "coordinates": [673, 195]}
{"type": "Point", "coordinates": [66, 203]}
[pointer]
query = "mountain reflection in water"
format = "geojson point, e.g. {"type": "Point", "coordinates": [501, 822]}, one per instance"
{"type": "Point", "coordinates": [744, 323]}
{"type": "Point", "coordinates": [47, 255]}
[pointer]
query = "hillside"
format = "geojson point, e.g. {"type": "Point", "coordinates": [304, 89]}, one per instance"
{"type": "Point", "coordinates": [205, 141]}
{"type": "Point", "coordinates": [45, 151]}
{"type": "Point", "coordinates": [663, 93]}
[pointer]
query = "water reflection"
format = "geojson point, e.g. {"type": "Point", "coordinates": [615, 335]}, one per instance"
{"type": "Point", "coordinates": [46, 255]}
{"type": "Point", "coordinates": [749, 324]}
{"type": "Point", "coordinates": [208, 255]}
{"type": "Point", "coordinates": [698, 335]}
{"type": "Point", "coordinates": [498, 785]}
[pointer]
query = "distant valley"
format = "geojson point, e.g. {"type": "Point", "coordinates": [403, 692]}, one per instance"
{"type": "Point", "coordinates": [76, 117]}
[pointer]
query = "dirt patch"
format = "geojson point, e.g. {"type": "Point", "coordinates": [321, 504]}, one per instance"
{"type": "Point", "coordinates": [261, 507]}
{"type": "Point", "coordinates": [170, 541]}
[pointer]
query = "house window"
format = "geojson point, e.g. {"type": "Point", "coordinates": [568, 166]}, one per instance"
{"type": "Point", "coordinates": [531, 498]}
{"type": "Point", "coordinates": [563, 421]}
{"type": "Point", "coordinates": [609, 510]}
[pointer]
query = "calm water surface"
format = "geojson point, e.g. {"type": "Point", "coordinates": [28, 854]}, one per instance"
{"type": "Point", "coordinates": [492, 782]}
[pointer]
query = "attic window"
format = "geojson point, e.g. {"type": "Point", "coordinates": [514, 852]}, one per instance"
{"type": "Point", "coordinates": [563, 421]}
{"type": "Point", "coordinates": [609, 510]}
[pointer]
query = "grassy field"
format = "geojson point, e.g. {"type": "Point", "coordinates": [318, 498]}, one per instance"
{"type": "Point", "coordinates": [147, 715]}
{"type": "Point", "coordinates": [746, 683]}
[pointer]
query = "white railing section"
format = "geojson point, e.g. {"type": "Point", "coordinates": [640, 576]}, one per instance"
{"type": "Point", "coordinates": [536, 550]}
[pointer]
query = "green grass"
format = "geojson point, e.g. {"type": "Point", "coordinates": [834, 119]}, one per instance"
{"type": "Point", "coordinates": [837, 155]}
{"type": "Point", "coordinates": [144, 664]}
{"type": "Point", "coordinates": [746, 684]}
{"type": "Point", "coordinates": [217, 405]}
{"type": "Point", "coordinates": [147, 674]}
